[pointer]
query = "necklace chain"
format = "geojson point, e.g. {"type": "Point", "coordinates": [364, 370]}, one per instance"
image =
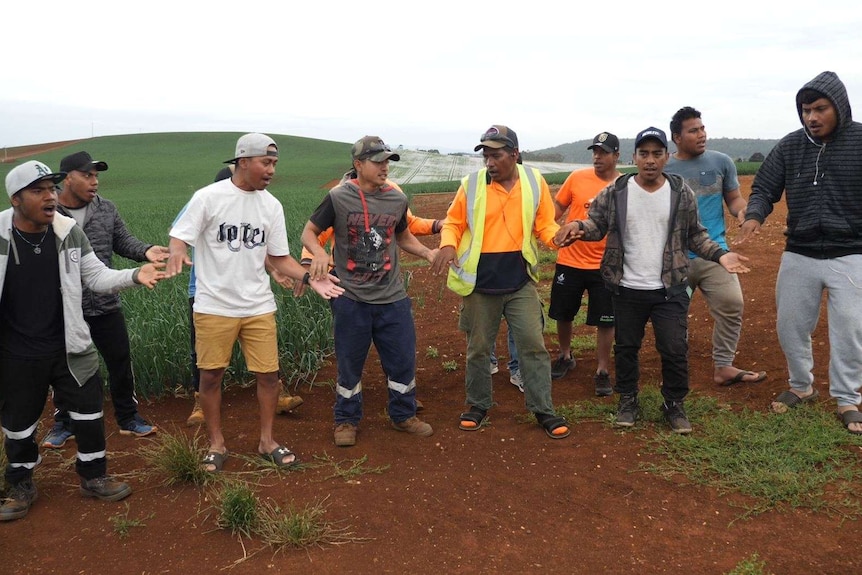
{"type": "Point", "coordinates": [37, 249]}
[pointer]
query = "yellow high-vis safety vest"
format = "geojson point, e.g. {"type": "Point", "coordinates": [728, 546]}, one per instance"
{"type": "Point", "coordinates": [462, 279]}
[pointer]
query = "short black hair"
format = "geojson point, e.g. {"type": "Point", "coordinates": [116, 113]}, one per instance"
{"type": "Point", "coordinates": [809, 96]}
{"type": "Point", "coordinates": [683, 114]}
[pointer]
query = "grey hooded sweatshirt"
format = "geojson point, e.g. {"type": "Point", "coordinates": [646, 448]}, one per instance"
{"type": "Point", "coordinates": [822, 180]}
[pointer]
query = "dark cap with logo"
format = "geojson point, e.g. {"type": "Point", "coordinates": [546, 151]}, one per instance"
{"type": "Point", "coordinates": [374, 149]}
{"type": "Point", "coordinates": [606, 141]}
{"type": "Point", "coordinates": [83, 162]}
{"type": "Point", "coordinates": [651, 132]}
{"type": "Point", "coordinates": [498, 136]}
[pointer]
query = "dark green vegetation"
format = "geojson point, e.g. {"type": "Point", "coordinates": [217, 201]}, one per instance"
{"type": "Point", "coordinates": [740, 149]}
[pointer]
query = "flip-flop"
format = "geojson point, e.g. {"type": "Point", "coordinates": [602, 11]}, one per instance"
{"type": "Point", "coordinates": [740, 378]}
{"type": "Point", "coordinates": [790, 400]}
{"type": "Point", "coordinates": [848, 417]}
{"type": "Point", "coordinates": [277, 456]}
{"type": "Point", "coordinates": [215, 459]}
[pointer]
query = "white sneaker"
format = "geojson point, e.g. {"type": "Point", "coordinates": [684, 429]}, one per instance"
{"type": "Point", "coordinates": [515, 379]}
{"type": "Point", "coordinates": [494, 368]}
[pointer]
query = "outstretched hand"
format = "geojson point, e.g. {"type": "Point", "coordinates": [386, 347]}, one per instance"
{"type": "Point", "coordinates": [157, 254]}
{"type": "Point", "coordinates": [568, 234]}
{"type": "Point", "coordinates": [150, 274]}
{"type": "Point", "coordinates": [748, 229]}
{"type": "Point", "coordinates": [444, 257]}
{"type": "Point", "coordinates": [175, 263]}
{"type": "Point", "coordinates": [733, 262]}
{"type": "Point", "coordinates": [327, 288]}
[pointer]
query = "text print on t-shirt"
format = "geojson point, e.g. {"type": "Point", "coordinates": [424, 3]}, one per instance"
{"type": "Point", "coordinates": [368, 247]}
{"type": "Point", "coordinates": [238, 236]}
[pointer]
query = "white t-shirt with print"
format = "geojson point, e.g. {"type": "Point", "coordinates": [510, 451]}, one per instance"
{"type": "Point", "coordinates": [232, 231]}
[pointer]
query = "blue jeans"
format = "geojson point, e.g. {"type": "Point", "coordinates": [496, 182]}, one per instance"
{"type": "Point", "coordinates": [390, 327]}
{"type": "Point", "coordinates": [513, 351]}
{"type": "Point", "coordinates": [669, 317]}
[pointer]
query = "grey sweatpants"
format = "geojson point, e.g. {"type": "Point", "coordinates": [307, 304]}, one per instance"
{"type": "Point", "coordinates": [798, 293]}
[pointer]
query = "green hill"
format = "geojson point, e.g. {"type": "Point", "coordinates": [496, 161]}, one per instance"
{"type": "Point", "coordinates": [577, 153]}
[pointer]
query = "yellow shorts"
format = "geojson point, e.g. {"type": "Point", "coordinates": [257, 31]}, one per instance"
{"type": "Point", "coordinates": [216, 334]}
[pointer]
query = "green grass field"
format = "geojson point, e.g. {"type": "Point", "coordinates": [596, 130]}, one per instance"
{"type": "Point", "coordinates": [150, 178]}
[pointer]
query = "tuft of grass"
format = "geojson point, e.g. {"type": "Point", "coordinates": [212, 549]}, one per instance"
{"type": "Point", "coordinates": [348, 469]}
{"type": "Point", "coordinates": [301, 528]}
{"type": "Point", "coordinates": [178, 457]}
{"type": "Point", "coordinates": [431, 352]}
{"type": "Point", "coordinates": [123, 523]}
{"type": "Point", "coordinates": [450, 365]}
{"type": "Point", "coordinates": [237, 507]}
{"type": "Point", "coordinates": [797, 459]}
{"type": "Point", "coordinates": [751, 565]}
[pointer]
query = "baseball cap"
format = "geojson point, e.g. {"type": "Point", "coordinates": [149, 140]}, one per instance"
{"type": "Point", "coordinates": [81, 161]}
{"type": "Point", "coordinates": [372, 148]}
{"type": "Point", "coordinates": [252, 146]}
{"type": "Point", "coordinates": [606, 141]}
{"type": "Point", "coordinates": [651, 132]}
{"type": "Point", "coordinates": [497, 136]}
{"type": "Point", "coordinates": [27, 174]}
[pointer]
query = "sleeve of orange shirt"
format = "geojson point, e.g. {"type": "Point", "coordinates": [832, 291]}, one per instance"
{"type": "Point", "coordinates": [456, 221]}
{"type": "Point", "coordinates": [546, 225]}
{"type": "Point", "coordinates": [323, 237]}
{"type": "Point", "coordinates": [419, 226]}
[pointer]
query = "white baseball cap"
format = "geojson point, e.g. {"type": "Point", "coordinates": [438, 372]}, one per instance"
{"type": "Point", "coordinates": [27, 174]}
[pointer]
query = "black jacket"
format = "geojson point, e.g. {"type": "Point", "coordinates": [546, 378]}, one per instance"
{"type": "Point", "coordinates": [823, 182]}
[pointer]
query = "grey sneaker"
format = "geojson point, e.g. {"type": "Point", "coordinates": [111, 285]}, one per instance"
{"type": "Point", "coordinates": [494, 368]}
{"type": "Point", "coordinates": [562, 366]}
{"type": "Point", "coordinates": [345, 435]}
{"type": "Point", "coordinates": [675, 415]}
{"type": "Point", "coordinates": [516, 380]}
{"type": "Point", "coordinates": [58, 436]}
{"type": "Point", "coordinates": [18, 501]}
{"type": "Point", "coordinates": [603, 384]}
{"type": "Point", "coordinates": [415, 426]}
{"type": "Point", "coordinates": [627, 411]}
{"type": "Point", "coordinates": [105, 488]}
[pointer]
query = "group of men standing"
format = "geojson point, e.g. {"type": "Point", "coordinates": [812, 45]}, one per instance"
{"type": "Point", "coordinates": [638, 244]}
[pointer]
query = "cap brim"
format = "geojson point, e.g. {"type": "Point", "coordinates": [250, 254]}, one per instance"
{"type": "Point", "coordinates": [55, 178]}
{"type": "Point", "coordinates": [383, 156]}
{"type": "Point", "coordinates": [605, 147]}
{"type": "Point", "coordinates": [94, 165]}
{"type": "Point", "coordinates": [496, 144]}
{"type": "Point", "coordinates": [656, 138]}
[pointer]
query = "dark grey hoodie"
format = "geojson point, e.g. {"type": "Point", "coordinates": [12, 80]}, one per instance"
{"type": "Point", "coordinates": [823, 181]}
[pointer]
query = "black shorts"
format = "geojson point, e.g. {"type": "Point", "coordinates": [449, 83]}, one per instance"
{"type": "Point", "coordinates": [568, 288]}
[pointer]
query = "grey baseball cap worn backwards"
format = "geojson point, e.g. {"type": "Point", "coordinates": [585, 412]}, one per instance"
{"type": "Point", "coordinates": [606, 141]}
{"type": "Point", "coordinates": [28, 174]}
{"type": "Point", "coordinates": [81, 161]}
{"type": "Point", "coordinates": [253, 146]}
{"type": "Point", "coordinates": [498, 136]}
{"type": "Point", "coordinates": [653, 133]}
{"type": "Point", "coordinates": [372, 148]}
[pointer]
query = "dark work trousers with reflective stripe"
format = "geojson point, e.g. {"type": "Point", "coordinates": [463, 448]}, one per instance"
{"type": "Point", "coordinates": [111, 337]}
{"type": "Point", "coordinates": [669, 317]}
{"type": "Point", "coordinates": [390, 327]}
{"type": "Point", "coordinates": [23, 390]}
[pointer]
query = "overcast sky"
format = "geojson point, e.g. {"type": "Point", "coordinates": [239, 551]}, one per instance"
{"type": "Point", "coordinates": [419, 74]}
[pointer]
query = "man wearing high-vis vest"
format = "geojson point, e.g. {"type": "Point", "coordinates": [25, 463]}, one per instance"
{"type": "Point", "coordinates": [488, 243]}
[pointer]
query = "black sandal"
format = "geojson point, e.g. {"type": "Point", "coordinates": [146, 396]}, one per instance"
{"type": "Point", "coordinates": [473, 420]}
{"type": "Point", "coordinates": [555, 427]}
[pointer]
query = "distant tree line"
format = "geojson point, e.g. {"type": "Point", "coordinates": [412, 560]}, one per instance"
{"type": "Point", "coordinates": [740, 149]}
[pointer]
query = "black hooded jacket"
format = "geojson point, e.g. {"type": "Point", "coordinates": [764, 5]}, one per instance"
{"type": "Point", "coordinates": [823, 181]}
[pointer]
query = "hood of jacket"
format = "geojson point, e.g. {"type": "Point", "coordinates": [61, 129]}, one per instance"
{"type": "Point", "coordinates": [828, 84]}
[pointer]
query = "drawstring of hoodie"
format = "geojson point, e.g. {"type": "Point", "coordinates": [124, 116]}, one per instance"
{"type": "Point", "coordinates": [817, 162]}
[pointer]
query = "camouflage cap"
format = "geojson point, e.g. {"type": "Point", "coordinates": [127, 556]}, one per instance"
{"type": "Point", "coordinates": [372, 148]}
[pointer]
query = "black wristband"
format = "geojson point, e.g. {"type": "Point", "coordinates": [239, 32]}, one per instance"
{"type": "Point", "coordinates": [306, 278]}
